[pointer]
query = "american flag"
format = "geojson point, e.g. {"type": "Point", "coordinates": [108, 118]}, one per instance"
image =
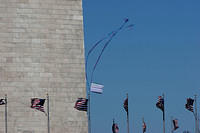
{"type": "Point", "coordinates": [115, 128]}
{"type": "Point", "coordinates": [144, 127]}
{"type": "Point", "coordinates": [126, 105]}
{"type": "Point", "coordinates": [160, 103]}
{"type": "Point", "coordinates": [2, 101]}
{"type": "Point", "coordinates": [175, 123]}
{"type": "Point", "coordinates": [189, 104]}
{"type": "Point", "coordinates": [38, 104]}
{"type": "Point", "coordinates": [81, 104]}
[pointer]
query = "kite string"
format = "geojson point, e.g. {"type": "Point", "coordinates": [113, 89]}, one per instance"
{"type": "Point", "coordinates": [106, 44]}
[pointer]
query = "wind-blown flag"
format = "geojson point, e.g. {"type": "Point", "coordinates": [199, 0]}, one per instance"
{"type": "Point", "coordinates": [38, 104]}
{"type": "Point", "coordinates": [160, 103]}
{"type": "Point", "coordinates": [126, 105]}
{"type": "Point", "coordinates": [175, 123]}
{"type": "Point", "coordinates": [115, 128]}
{"type": "Point", "coordinates": [189, 104]}
{"type": "Point", "coordinates": [2, 101]}
{"type": "Point", "coordinates": [96, 88]}
{"type": "Point", "coordinates": [81, 104]}
{"type": "Point", "coordinates": [144, 127]}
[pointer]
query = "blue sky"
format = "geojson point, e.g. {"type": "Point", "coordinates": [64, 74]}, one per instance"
{"type": "Point", "coordinates": [160, 54]}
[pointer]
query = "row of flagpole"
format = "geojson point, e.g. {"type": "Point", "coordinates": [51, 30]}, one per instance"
{"type": "Point", "coordinates": [82, 105]}
{"type": "Point", "coordinates": [160, 105]}
{"type": "Point", "coordinates": [36, 103]}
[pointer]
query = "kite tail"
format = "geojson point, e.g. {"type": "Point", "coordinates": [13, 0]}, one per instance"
{"type": "Point", "coordinates": [106, 44]}
{"type": "Point", "coordinates": [86, 62]}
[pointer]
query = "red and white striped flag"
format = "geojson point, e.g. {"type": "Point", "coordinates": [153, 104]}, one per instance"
{"type": "Point", "coordinates": [175, 123]}
{"type": "Point", "coordinates": [126, 105]}
{"type": "Point", "coordinates": [81, 104]}
{"type": "Point", "coordinates": [2, 101]}
{"type": "Point", "coordinates": [38, 104]}
{"type": "Point", "coordinates": [144, 127]}
{"type": "Point", "coordinates": [115, 128]}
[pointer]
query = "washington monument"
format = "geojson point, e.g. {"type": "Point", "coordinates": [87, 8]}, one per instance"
{"type": "Point", "coordinates": [42, 52]}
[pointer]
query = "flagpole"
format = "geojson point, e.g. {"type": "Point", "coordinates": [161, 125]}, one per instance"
{"type": "Point", "coordinates": [113, 124]}
{"type": "Point", "coordinates": [133, 126]}
{"type": "Point", "coordinates": [6, 120]}
{"type": "Point", "coordinates": [127, 117]}
{"type": "Point", "coordinates": [198, 123]}
{"type": "Point", "coordinates": [89, 120]}
{"type": "Point", "coordinates": [48, 121]}
{"type": "Point", "coordinates": [195, 114]}
{"type": "Point", "coordinates": [164, 114]}
{"type": "Point", "coordinates": [172, 130]}
{"type": "Point", "coordinates": [143, 124]}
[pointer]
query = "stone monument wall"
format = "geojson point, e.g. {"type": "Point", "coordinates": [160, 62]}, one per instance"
{"type": "Point", "coordinates": [42, 51]}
